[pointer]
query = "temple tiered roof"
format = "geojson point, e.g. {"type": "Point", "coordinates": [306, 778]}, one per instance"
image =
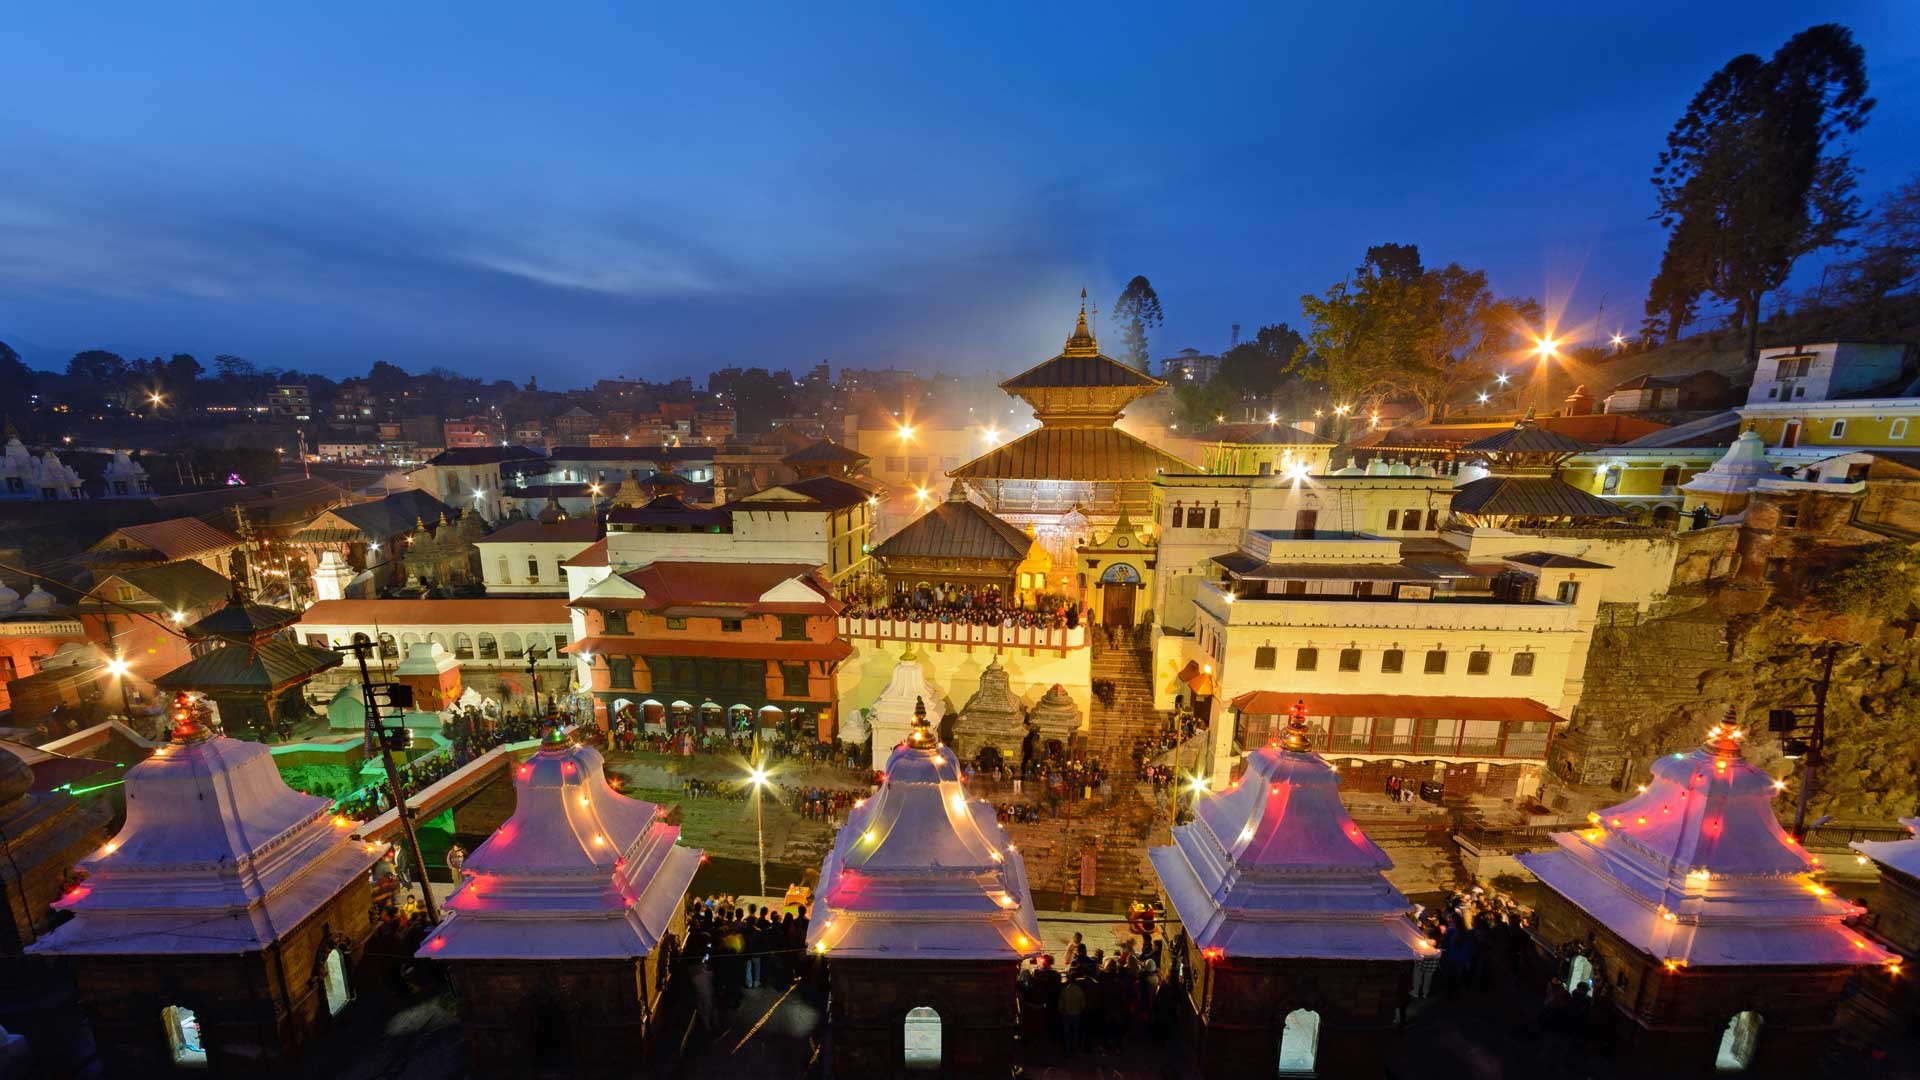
{"type": "Point", "coordinates": [218, 855]}
{"type": "Point", "coordinates": [923, 872]}
{"type": "Point", "coordinates": [1696, 870]}
{"type": "Point", "coordinates": [579, 871]}
{"type": "Point", "coordinates": [1274, 867]}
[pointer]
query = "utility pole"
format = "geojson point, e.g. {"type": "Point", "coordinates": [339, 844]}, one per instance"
{"type": "Point", "coordinates": [399, 695]}
{"type": "Point", "coordinates": [1788, 721]}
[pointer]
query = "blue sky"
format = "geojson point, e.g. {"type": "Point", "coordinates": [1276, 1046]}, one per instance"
{"type": "Point", "coordinates": [578, 191]}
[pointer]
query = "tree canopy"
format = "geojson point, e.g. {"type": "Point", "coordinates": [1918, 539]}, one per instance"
{"type": "Point", "coordinates": [1137, 311]}
{"type": "Point", "coordinates": [1754, 175]}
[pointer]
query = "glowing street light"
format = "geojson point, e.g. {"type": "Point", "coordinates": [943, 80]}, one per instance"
{"type": "Point", "coordinates": [1501, 378]}
{"type": "Point", "coordinates": [118, 667]}
{"type": "Point", "coordinates": [1483, 397]}
{"type": "Point", "coordinates": [758, 777]}
{"type": "Point", "coordinates": [1619, 341]}
{"type": "Point", "coordinates": [1546, 347]}
{"type": "Point", "coordinates": [906, 432]}
{"type": "Point", "coordinates": [1342, 410]}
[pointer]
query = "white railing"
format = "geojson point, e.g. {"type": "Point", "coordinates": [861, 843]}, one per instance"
{"type": "Point", "coordinates": [963, 635]}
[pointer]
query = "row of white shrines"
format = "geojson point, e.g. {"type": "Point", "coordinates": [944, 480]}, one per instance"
{"type": "Point", "coordinates": [1282, 926]}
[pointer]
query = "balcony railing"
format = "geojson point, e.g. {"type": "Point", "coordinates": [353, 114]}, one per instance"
{"type": "Point", "coordinates": [1518, 745]}
{"type": "Point", "coordinates": [964, 635]}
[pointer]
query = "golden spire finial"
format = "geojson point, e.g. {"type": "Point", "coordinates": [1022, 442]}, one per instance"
{"type": "Point", "coordinates": [1081, 343]}
{"type": "Point", "coordinates": [1724, 738]}
{"type": "Point", "coordinates": [1297, 738]}
{"type": "Point", "coordinates": [922, 736]}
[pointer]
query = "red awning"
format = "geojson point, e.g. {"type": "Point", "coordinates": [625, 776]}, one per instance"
{"type": "Point", "coordinates": [1397, 706]}
{"type": "Point", "coordinates": [734, 650]}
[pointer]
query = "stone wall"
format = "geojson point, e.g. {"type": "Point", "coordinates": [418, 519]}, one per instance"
{"type": "Point", "coordinates": [1710, 554]}
{"type": "Point", "coordinates": [1240, 1008]}
{"type": "Point", "coordinates": [868, 1001]}
{"type": "Point", "coordinates": [257, 1010]}
{"type": "Point", "coordinates": [590, 1018]}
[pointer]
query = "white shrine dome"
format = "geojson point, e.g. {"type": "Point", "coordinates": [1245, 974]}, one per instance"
{"type": "Point", "coordinates": [1900, 855]}
{"type": "Point", "coordinates": [217, 855]}
{"type": "Point", "coordinates": [579, 871]}
{"type": "Point", "coordinates": [1697, 870]}
{"type": "Point", "coordinates": [922, 871]}
{"type": "Point", "coordinates": [1274, 867]}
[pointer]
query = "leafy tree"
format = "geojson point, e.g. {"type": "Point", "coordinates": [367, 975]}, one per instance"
{"type": "Point", "coordinates": [235, 367]}
{"type": "Point", "coordinates": [1137, 311]}
{"type": "Point", "coordinates": [1256, 368]}
{"type": "Point", "coordinates": [13, 371]}
{"type": "Point", "coordinates": [1880, 581]}
{"type": "Point", "coordinates": [385, 378]}
{"type": "Point", "coordinates": [1453, 326]}
{"type": "Point", "coordinates": [97, 366]}
{"type": "Point", "coordinates": [1752, 177]}
{"type": "Point", "coordinates": [182, 371]}
{"type": "Point", "coordinates": [1889, 258]}
{"type": "Point", "coordinates": [1196, 405]}
{"type": "Point", "coordinates": [1673, 299]}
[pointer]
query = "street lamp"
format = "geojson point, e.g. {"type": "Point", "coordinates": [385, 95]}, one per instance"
{"type": "Point", "coordinates": [117, 667]}
{"type": "Point", "coordinates": [758, 778]}
{"type": "Point", "coordinates": [1546, 347]}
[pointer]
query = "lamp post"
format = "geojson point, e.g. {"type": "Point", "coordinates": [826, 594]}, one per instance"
{"type": "Point", "coordinates": [1812, 744]}
{"type": "Point", "coordinates": [533, 678]}
{"type": "Point", "coordinates": [758, 777]}
{"type": "Point", "coordinates": [117, 667]}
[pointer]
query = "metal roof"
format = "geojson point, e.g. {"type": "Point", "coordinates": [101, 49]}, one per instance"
{"type": "Point", "coordinates": [958, 529]}
{"type": "Point", "coordinates": [1553, 560]}
{"type": "Point", "coordinates": [1073, 453]}
{"type": "Point", "coordinates": [485, 455]}
{"type": "Point", "coordinates": [1527, 437]}
{"type": "Point", "coordinates": [398, 513]}
{"type": "Point", "coordinates": [826, 452]}
{"type": "Point", "coordinates": [179, 585]}
{"type": "Point", "coordinates": [1257, 434]}
{"type": "Point", "coordinates": [1068, 371]}
{"type": "Point", "coordinates": [176, 538]}
{"type": "Point", "coordinates": [262, 667]}
{"type": "Point", "coordinates": [242, 621]}
{"type": "Point", "coordinates": [1530, 496]}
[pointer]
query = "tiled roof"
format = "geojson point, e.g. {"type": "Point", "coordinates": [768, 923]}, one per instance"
{"type": "Point", "coordinates": [1066, 371]}
{"type": "Point", "coordinates": [266, 666]}
{"type": "Point", "coordinates": [820, 493]}
{"type": "Point", "coordinates": [1256, 434]}
{"type": "Point", "coordinates": [594, 554]}
{"type": "Point", "coordinates": [673, 584]}
{"type": "Point", "coordinates": [580, 530]}
{"type": "Point", "coordinates": [179, 538]}
{"type": "Point", "coordinates": [242, 621]}
{"type": "Point", "coordinates": [958, 529]}
{"type": "Point", "coordinates": [396, 514]}
{"type": "Point", "coordinates": [824, 452]}
{"type": "Point", "coordinates": [1530, 496]}
{"type": "Point", "coordinates": [1397, 706]}
{"type": "Point", "coordinates": [1073, 453]}
{"type": "Point", "coordinates": [367, 613]}
{"type": "Point", "coordinates": [1527, 437]}
{"type": "Point", "coordinates": [484, 455]}
{"type": "Point", "coordinates": [179, 585]}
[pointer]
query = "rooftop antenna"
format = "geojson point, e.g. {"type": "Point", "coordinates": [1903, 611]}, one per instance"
{"type": "Point", "coordinates": [1234, 338]}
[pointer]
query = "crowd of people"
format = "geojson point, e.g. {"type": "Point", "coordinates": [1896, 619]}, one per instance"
{"type": "Point", "coordinates": [470, 736]}
{"type": "Point", "coordinates": [1093, 1002]}
{"type": "Point", "coordinates": [1476, 931]}
{"type": "Point", "coordinates": [733, 947]}
{"type": "Point", "coordinates": [969, 605]}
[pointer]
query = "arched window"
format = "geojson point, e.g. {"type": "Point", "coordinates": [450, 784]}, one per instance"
{"type": "Point", "coordinates": [388, 649]}
{"type": "Point", "coordinates": [1738, 1044]}
{"type": "Point", "coordinates": [510, 646]}
{"type": "Point", "coordinates": [489, 648]}
{"type": "Point", "coordinates": [1579, 971]}
{"type": "Point", "coordinates": [333, 979]}
{"type": "Point", "coordinates": [922, 1039]}
{"type": "Point", "coordinates": [183, 1035]}
{"type": "Point", "coordinates": [462, 646]}
{"type": "Point", "coordinates": [1299, 1043]}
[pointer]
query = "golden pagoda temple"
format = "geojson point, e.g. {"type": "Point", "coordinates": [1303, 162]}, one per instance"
{"type": "Point", "coordinates": [1076, 470]}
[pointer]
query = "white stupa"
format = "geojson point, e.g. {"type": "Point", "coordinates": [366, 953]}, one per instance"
{"type": "Point", "coordinates": [42, 479]}
{"type": "Point", "coordinates": [1274, 868]}
{"type": "Point", "coordinates": [218, 855]}
{"type": "Point", "coordinates": [891, 715]}
{"type": "Point", "coordinates": [1696, 870]}
{"type": "Point", "coordinates": [921, 871]}
{"type": "Point", "coordinates": [125, 478]}
{"type": "Point", "coordinates": [578, 872]}
{"type": "Point", "coordinates": [1738, 470]}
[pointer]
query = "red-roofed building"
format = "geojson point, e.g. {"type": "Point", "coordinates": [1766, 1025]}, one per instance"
{"type": "Point", "coordinates": [173, 540]}
{"type": "Point", "coordinates": [674, 643]}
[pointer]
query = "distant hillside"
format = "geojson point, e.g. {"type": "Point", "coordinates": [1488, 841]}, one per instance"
{"type": "Point", "coordinates": [1724, 351]}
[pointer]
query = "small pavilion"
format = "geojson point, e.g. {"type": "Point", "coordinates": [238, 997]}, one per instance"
{"type": "Point", "coordinates": [250, 668]}
{"type": "Point", "coordinates": [1523, 488]}
{"type": "Point", "coordinates": [561, 936]}
{"type": "Point", "coordinates": [1298, 950]}
{"type": "Point", "coordinates": [961, 546]}
{"type": "Point", "coordinates": [1698, 921]}
{"type": "Point", "coordinates": [923, 917]}
{"type": "Point", "coordinates": [221, 928]}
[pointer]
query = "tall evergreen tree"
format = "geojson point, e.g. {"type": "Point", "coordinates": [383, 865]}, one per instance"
{"type": "Point", "coordinates": [1754, 176]}
{"type": "Point", "coordinates": [1137, 311]}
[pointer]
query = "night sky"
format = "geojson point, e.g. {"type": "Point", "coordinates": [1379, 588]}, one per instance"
{"type": "Point", "coordinates": [513, 189]}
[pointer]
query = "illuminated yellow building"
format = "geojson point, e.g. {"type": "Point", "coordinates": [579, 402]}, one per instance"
{"type": "Point", "coordinates": [1867, 423]}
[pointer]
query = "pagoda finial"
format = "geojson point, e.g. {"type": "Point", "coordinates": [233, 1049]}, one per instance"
{"type": "Point", "coordinates": [1081, 343]}
{"type": "Point", "coordinates": [922, 737]}
{"type": "Point", "coordinates": [555, 738]}
{"type": "Point", "coordinates": [1527, 419]}
{"type": "Point", "coordinates": [1297, 738]}
{"type": "Point", "coordinates": [187, 726]}
{"type": "Point", "coordinates": [1724, 738]}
